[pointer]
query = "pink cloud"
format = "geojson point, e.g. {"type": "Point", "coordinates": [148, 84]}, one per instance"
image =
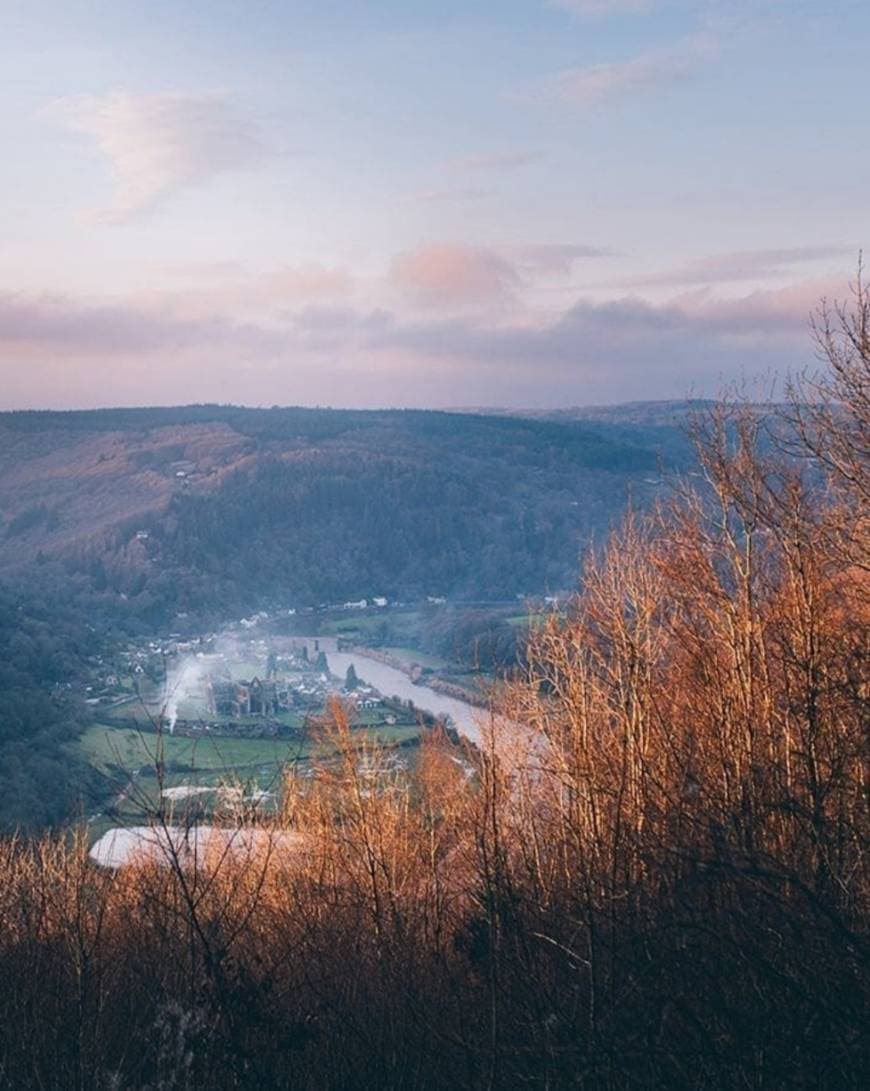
{"type": "Point", "coordinates": [452, 274]}
{"type": "Point", "coordinates": [309, 281]}
{"type": "Point", "coordinates": [595, 83]}
{"type": "Point", "coordinates": [202, 289]}
{"type": "Point", "coordinates": [763, 313]}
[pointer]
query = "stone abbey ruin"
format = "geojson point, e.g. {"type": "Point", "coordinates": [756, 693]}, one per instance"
{"type": "Point", "coordinates": [226, 697]}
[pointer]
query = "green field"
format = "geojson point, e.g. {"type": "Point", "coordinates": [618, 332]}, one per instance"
{"type": "Point", "coordinates": [130, 757]}
{"type": "Point", "coordinates": [357, 624]}
{"type": "Point", "coordinates": [403, 624]}
{"type": "Point", "coordinates": [109, 748]}
{"type": "Point", "coordinates": [112, 747]}
{"type": "Point", "coordinates": [411, 655]}
{"type": "Point", "coordinates": [534, 620]}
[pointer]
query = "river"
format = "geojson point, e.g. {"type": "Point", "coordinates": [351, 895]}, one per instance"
{"type": "Point", "coordinates": [390, 682]}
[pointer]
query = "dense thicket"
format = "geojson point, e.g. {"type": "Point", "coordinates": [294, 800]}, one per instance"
{"type": "Point", "coordinates": [43, 647]}
{"type": "Point", "coordinates": [654, 873]}
{"type": "Point", "coordinates": [484, 640]}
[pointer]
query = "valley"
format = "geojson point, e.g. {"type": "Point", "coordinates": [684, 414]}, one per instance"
{"type": "Point", "coordinates": [198, 727]}
{"type": "Point", "coordinates": [142, 528]}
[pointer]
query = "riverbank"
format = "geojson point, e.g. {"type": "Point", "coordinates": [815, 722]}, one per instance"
{"type": "Point", "coordinates": [419, 675]}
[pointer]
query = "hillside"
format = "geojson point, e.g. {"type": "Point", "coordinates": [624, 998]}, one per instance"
{"type": "Point", "coordinates": [202, 507]}
{"type": "Point", "coordinates": [123, 523]}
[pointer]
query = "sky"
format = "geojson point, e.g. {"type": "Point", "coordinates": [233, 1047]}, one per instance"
{"type": "Point", "coordinates": [440, 203]}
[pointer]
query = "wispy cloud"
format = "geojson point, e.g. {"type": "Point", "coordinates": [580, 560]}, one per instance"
{"type": "Point", "coordinates": [598, 8]}
{"type": "Point", "coordinates": [740, 265]}
{"type": "Point", "coordinates": [499, 162]}
{"type": "Point", "coordinates": [553, 258]}
{"type": "Point", "coordinates": [199, 289]}
{"type": "Point", "coordinates": [457, 193]}
{"type": "Point", "coordinates": [158, 144]}
{"type": "Point", "coordinates": [70, 326]}
{"type": "Point", "coordinates": [595, 83]}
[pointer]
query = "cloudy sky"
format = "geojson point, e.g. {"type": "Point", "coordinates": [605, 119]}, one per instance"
{"type": "Point", "coordinates": [422, 202]}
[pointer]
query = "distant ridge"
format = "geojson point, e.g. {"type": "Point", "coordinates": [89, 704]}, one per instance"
{"type": "Point", "coordinates": [193, 503]}
{"type": "Point", "coordinates": [670, 412]}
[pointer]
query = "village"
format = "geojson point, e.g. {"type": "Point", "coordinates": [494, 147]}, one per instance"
{"type": "Point", "coordinates": [230, 709]}
{"type": "Point", "coordinates": [233, 684]}
{"type": "Point", "coordinates": [295, 687]}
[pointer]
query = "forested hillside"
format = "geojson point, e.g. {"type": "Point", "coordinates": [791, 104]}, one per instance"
{"type": "Point", "coordinates": [116, 522]}
{"type": "Point", "coordinates": [208, 508]}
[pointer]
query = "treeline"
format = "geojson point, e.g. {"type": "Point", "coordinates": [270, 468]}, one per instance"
{"type": "Point", "coordinates": [654, 873]}
{"type": "Point", "coordinates": [54, 623]}
{"type": "Point", "coordinates": [479, 432]}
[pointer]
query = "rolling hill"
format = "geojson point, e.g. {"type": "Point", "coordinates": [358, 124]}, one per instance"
{"type": "Point", "coordinates": [217, 508]}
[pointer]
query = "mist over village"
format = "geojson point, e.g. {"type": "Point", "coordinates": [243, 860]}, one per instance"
{"type": "Point", "coordinates": [434, 479]}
